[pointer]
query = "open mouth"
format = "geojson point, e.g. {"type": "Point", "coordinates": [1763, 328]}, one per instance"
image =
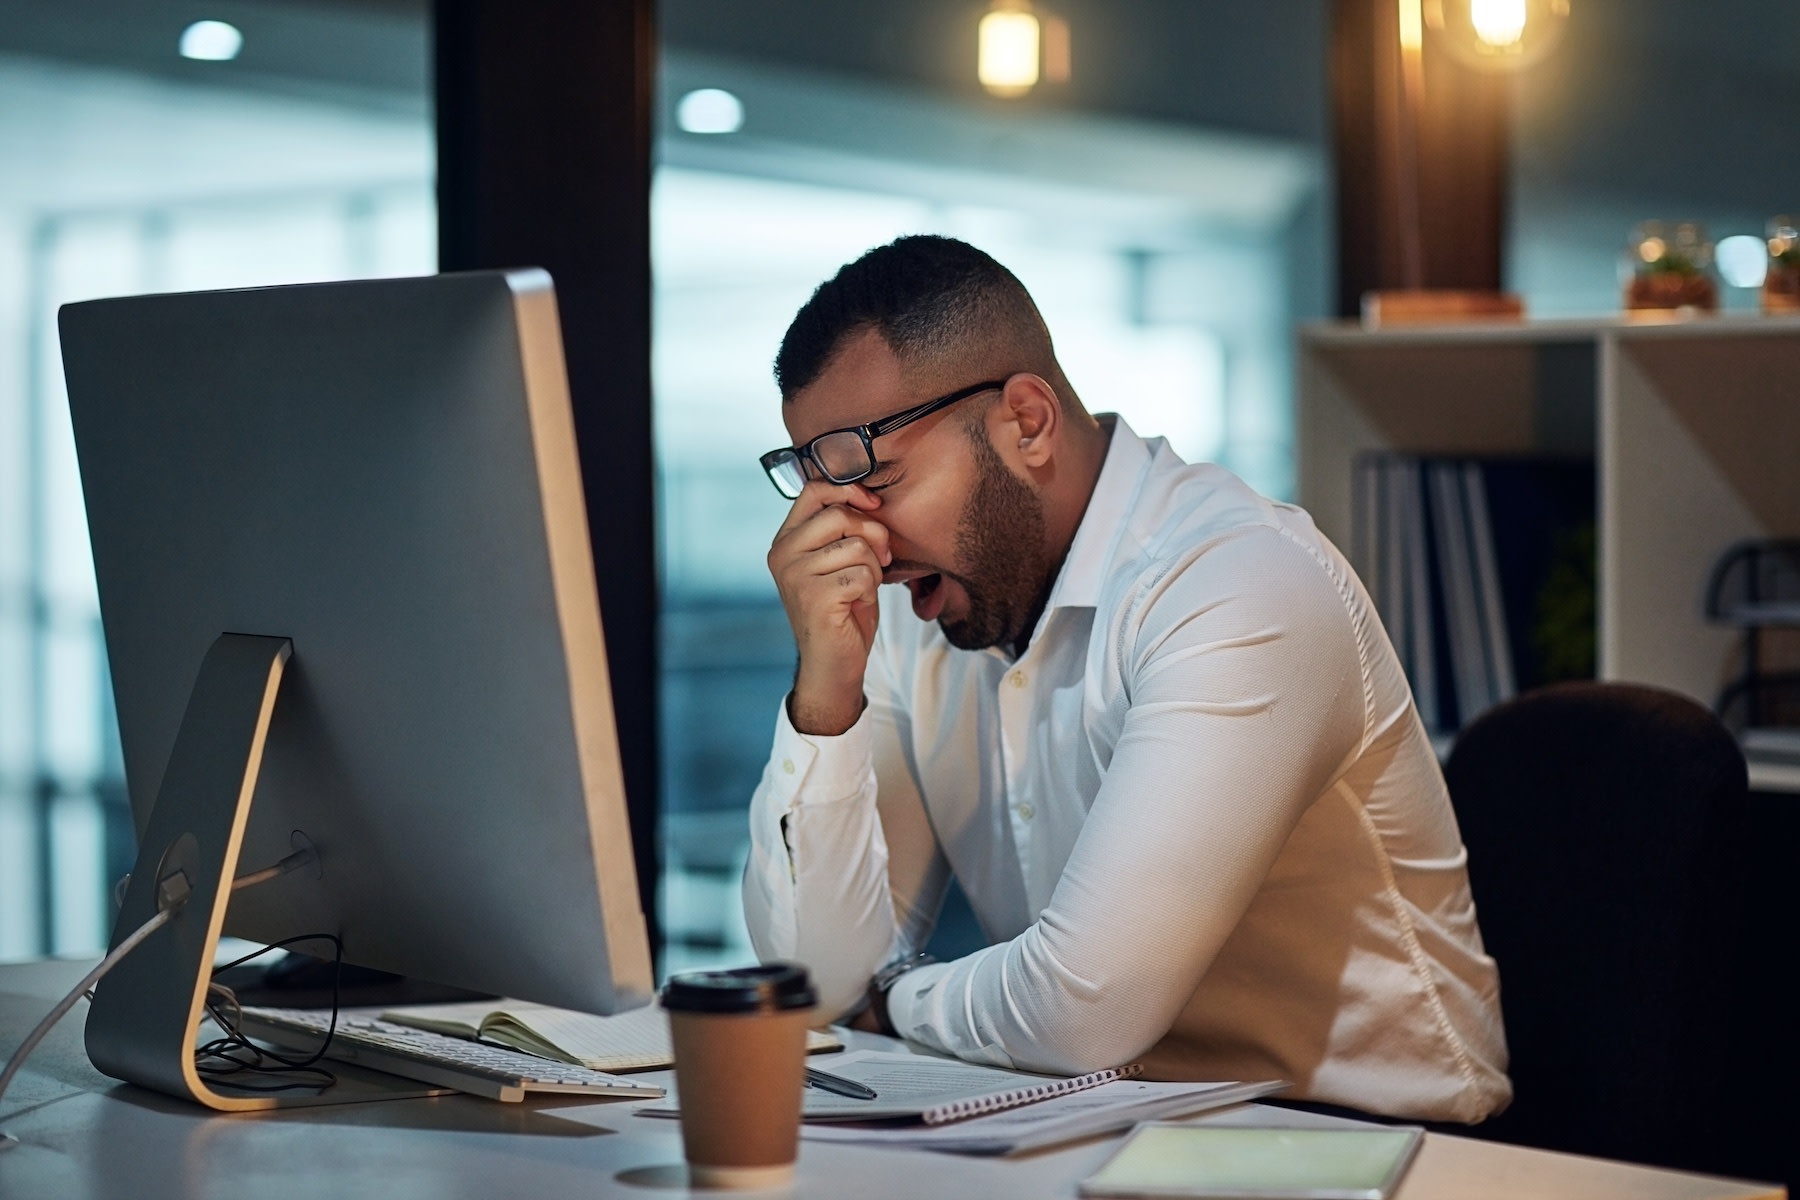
{"type": "Point", "coordinates": [927, 596]}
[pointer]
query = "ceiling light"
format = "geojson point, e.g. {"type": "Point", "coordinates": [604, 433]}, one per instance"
{"type": "Point", "coordinates": [1498, 23]}
{"type": "Point", "coordinates": [211, 41]}
{"type": "Point", "coordinates": [1497, 35]}
{"type": "Point", "coordinates": [1009, 41]}
{"type": "Point", "coordinates": [710, 110]}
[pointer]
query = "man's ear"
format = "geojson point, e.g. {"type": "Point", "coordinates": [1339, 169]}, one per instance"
{"type": "Point", "coordinates": [1032, 417]}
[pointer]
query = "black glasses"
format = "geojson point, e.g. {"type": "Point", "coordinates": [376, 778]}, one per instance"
{"type": "Point", "coordinates": [847, 455]}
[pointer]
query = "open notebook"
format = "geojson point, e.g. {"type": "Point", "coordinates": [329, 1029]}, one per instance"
{"type": "Point", "coordinates": [634, 1041]}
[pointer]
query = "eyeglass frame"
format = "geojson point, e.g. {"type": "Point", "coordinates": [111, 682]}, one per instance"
{"type": "Point", "coordinates": [867, 433]}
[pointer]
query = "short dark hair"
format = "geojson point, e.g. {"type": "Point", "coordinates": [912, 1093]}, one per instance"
{"type": "Point", "coordinates": [929, 297]}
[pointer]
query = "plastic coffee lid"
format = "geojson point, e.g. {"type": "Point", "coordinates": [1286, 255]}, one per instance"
{"type": "Point", "coordinates": [771, 987]}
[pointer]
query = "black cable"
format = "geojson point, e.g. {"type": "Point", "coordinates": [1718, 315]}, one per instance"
{"type": "Point", "coordinates": [235, 1037]}
{"type": "Point", "coordinates": [218, 1059]}
{"type": "Point", "coordinates": [175, 895]}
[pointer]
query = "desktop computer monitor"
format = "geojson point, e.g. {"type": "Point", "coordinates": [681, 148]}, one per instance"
{"type": "Point", "coordinates": [384, 474]}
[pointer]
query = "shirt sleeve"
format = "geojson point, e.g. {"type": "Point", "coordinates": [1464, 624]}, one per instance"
{"type": "Point", "coordinates": [1244, 669]}
{"type": "Point", "coordinates": [844, 875]}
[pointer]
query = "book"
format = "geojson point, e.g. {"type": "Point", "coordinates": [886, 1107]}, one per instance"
{"type": "Point", "coordinates": [1456, 572]}
{"type": "Point", "coordinates": [1497, 650]}
{"type": "Point", "coordinates": [1482, 571]}
{"type": "Point", "coordinates": [1268, 1162]}
{"type": "Point", "coordinates": [1107, 1108]}
{"type": "Point", "coordinates": [1435, 306]}
{"type": "Point", "coordinates": [1409, 548]}
{"type": "Point", "coordinates": [632, 1041]}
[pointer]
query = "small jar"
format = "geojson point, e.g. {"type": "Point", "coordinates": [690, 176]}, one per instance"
{"type": "Point", "coordinates": [1781, 286]}
{"type": "Point", "coordinates": [1669, 266]}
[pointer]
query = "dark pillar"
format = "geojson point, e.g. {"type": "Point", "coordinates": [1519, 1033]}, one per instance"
{"type": "Point", "coordinates": [543, 139]}
{"type": "Point", "coordinates": [1462, 161]}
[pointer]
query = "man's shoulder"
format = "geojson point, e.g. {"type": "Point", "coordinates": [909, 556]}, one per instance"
{"type": "Point", "coordinates": [1184, 513]}
{"type": "Point", "coordinates": [1197, 540]}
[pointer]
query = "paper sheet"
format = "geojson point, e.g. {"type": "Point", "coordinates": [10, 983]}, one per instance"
{"type": "Point", "coordinates": [1104, 1109]}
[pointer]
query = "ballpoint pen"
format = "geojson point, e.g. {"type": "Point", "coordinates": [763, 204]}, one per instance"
{"type": "Point", "coordinates": [838, 1084]}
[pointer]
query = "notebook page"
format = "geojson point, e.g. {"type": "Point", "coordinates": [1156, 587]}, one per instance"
{"type": "Point", "coordinates": [629, 1041]}
{"type": "Point", "coordinates": [907, 1084]}
{"type": "Point", "coordinates": [458, 1020]}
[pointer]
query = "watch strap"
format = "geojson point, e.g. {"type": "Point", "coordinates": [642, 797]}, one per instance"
{"type": "Point", "coordinates": [884, 981]}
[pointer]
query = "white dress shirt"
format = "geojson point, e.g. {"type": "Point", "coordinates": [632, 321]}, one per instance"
{"type": "Point", "coordinates": [1198, 820]}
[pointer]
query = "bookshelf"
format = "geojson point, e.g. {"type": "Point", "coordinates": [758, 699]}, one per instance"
{"type": "Point", "coordinates": [1694, 426]}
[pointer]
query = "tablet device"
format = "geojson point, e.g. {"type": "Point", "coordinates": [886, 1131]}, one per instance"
{"type": "Point", "coordinates": [1257, 1163]}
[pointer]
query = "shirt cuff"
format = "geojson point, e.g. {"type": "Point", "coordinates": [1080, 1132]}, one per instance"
{"type": "Point", "coordinates": [903, 1006]}
{"type": "Point", "coordinates": [816, 770]}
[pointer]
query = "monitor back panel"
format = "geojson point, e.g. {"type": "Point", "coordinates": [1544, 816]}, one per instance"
{"type": "Point", "coordinates": [384, 472]}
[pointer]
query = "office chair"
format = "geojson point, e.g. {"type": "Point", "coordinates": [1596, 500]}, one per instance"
{"type": "Point", "coordinates": [1607, 833]}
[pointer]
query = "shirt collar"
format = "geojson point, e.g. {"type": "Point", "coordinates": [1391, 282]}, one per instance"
{"type": "Point", "coordinates": [1104, 522]}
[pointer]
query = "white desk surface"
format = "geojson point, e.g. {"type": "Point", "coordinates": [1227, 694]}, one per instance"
{"type": "Point", "coordinates": [84, 1135]}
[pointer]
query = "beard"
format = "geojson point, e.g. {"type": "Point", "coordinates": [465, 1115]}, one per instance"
{"type": "Point", "coordinates": [1000, 537]}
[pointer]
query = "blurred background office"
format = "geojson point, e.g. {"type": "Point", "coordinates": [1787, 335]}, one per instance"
{"type": "Point", "coordinates": [1165, 189]}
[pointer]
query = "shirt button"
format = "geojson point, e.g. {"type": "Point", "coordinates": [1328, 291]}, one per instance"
{"type": "Point", "coordinates": [787, 766]}
{"type": "Point", "coordinates": [1026, 812]}
{"type": "Point", "coordinates": [1018, 679]}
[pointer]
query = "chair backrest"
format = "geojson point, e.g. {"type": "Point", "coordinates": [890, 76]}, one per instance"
{"type": "Point", "coordinates": [1607, 828]}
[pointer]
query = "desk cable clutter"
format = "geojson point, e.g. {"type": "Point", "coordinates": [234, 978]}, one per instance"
{"type": "Point", "coordinates": [216, 1058]}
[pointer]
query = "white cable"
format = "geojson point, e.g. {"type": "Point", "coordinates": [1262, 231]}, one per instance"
{"type": "Point", "coordinates": [67, 1002]}
{"type": "Point", "coordinates": [300, 858]}
{"type": "Point", "coordinates": [173, 895]}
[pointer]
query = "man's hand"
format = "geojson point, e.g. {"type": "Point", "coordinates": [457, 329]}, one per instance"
{"type": "Point", "coordinates": [827, 560]}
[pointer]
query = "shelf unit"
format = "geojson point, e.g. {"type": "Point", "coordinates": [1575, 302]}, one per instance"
{"type": "Point", "coordinates": [1694, 425]}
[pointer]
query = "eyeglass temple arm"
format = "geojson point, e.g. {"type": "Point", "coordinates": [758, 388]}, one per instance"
{"type": "Point", "coordinates": [887, 424]}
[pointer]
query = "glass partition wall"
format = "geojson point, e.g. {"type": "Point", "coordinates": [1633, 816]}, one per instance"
{"type": "Point", "coordinates": [114, 182]}
{"type": "Point", "coordinates": [1163, 262]}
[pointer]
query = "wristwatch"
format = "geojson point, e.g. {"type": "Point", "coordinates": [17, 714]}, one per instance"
{"type": "Point", "coordinates": [884, 981]}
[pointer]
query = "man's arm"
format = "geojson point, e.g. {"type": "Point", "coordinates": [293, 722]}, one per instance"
{"type": "Point", "coordinates": [833, 857]}
{"type": "Point", "coordinates": [844, 875]}
{"type": "Point", "coordinates": [1246, 683]}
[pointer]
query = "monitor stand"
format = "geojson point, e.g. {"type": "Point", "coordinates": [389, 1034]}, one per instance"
{"type": "Point", "coordinates": [146, 1013]}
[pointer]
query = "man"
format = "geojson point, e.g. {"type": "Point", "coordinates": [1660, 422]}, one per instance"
{"type": "Point", "coordinates": [1146, 717]}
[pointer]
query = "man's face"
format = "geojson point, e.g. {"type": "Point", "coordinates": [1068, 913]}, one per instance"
{"type": "Point", "coordinates": [967, 534]}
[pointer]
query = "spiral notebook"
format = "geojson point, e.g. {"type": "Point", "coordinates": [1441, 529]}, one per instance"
{"type": "Point", "coordinates": [921, 1088]}
{"type": "Point", "coordinates": [1108, 1108]}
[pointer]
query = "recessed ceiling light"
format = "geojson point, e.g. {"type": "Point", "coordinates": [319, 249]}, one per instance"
{"type": "Point", "coordinates": [710, 110]}
{"type": "Point", "coordinates": [211, 41]}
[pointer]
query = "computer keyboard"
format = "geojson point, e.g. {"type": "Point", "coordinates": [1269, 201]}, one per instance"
{"type": "Point", "coordinates": [474, 1067]}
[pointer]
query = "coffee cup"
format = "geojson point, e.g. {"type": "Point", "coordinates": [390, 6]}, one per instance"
{"type": "Point", "coordinates": [740, 1063]}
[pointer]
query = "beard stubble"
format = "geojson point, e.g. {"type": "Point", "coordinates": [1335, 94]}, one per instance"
{"type": "Point", "coordinates": [1000, 536]}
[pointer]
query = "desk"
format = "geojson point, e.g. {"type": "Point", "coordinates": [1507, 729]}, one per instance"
{"type": "Point", "coordinates": [85, 1135]}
